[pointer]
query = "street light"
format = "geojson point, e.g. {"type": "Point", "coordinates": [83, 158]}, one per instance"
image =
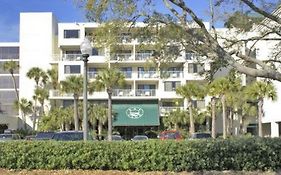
{"type": "Point", "coordinates": [86, 50]}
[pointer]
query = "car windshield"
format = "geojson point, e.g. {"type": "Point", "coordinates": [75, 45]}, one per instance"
{"type": "Point", "coordinates": [140, 138]}
{"type": "Point", "coordinates": [6, 137]}
{"type": "Point", "coordinates": [68, 136]}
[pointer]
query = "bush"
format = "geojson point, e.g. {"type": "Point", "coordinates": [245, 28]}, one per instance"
{"type": "Point", "coordinates": [233, 154]}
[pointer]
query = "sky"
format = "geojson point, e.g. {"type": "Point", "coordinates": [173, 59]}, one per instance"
{"type": "Point", "coordinates": [64, 10]}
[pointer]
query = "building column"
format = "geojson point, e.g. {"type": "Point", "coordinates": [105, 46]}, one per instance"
{"type": "Point", "coordinates": [274, 129]}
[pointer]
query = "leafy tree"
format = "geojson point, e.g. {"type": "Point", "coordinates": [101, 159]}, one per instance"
{"type": "Point", "coordinates": [190, 91]}
{"type": "Point", "coordinates": [12, 66]}
{"type": "Point", "coordinates": [72, 84]}
{"type": "Point", "coordinates": [42, 94]}
{"type": "Point", "coordinates": [194, 35]}
{"type": "Point", "coordinates": [53, 82]}
{"type": "Point", "coordinates": [108, 79]}
{"type": "Point", "coordinates": [258, 91]}
{"type": "Point", "coordinates": [98, 114]}
{"type": "Point", "coordinates": [25, 107]}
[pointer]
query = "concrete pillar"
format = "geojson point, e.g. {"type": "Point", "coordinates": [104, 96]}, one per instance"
{"type": "Point", "coordinates": [274, 129]}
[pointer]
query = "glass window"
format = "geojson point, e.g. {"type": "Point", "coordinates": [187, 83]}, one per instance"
{"type": "Point", "coordinates": [9, 52]}
{"type": "Point", "coordinates": [71, 33]}
{"type": "Point", "coordinates": [171, 85]}
{"type": "Point", "coordinates": [72, 69]}
{"type": "Point", "coordinates": [195, 68]}
{"type": "Point", "coordinates": [16, 71]}
{"type": "Point", "coordinates": [6, 82]}
{"type": "Point", "coordinates": [7, 99]}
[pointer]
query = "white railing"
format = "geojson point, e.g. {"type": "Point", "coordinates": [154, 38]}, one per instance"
{"type": "Point", "coordinates": [57, 93]}
{"type": "Point", "coordinates": [123, 92]}
{"type": "Point", "coordinates": [143, 55]}
{"type": "Point", "coordinates": [92, 75]}
{"type": "Point", "coordinates": [175, 74]}
{"type": "Point", "coordinates": [145, 92]}
{"type": "Point", "coordinates": [127, 74]}
{"type": "Point", "coordinates": [71, 57]}
{"type": "Point", "coordinates": [123, 56]}
{"type": "Point", "coordinates": [167, 109]}
{"type": "Point", "coordinates": [191, 56]}
{"type": "Point", "coordinates": [147, 74]}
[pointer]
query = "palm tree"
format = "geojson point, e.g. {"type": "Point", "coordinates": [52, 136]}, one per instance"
{"type": "Point", "coordinates": [175, 118]}
{"type": "Point", "coordinates": [211, 91]}
{"type": "Point", "coordinates": [12, 66]}
{"type": "Point", "coordinates": [53, 81]}
{"type": "Point", "coordinates": [40, 77]}
{"type": "Point", "coordinates": [98, 114]}
{"type": "Point", "coordinates": [25, 107]}
{"type": "Point", "coordinates": [108, 79]}
{"type": "Point", "coordinates": [258, 91]}
{"type": "Point", "coordinates": [73, 84]}
{"type": "Point", "coordinates": [221, 87]}
{"type": "Point", "coordinates": [42, 94]}
{"type": "Point", "coordinates": [190, 91]}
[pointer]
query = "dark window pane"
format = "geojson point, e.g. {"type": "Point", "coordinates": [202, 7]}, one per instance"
{"type": "Point", "coordinates": [6, 82]}
{"type": "Point", "coordinates": [9, 52]}
{"type": "Point", "coordinates": [71, 33]}
{"type": "Point", "coordinates": [72, 69]}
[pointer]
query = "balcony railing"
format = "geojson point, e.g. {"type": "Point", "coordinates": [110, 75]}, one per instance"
{"type": "Point", "coordinates": [122, 57]}
{"type": "Point", "coordinates": [143, 55]}
{"type": "Point", "coordinates": [175, 74]}
{"type": "Point", "coordinates": [127, 74]}
{"type": "Point", "coordinates": [147, 74]}
{"type": "Point", "coordinates": [145, 92]}
{"type": "Point", "coordinates": [71, 57]}
{"type": "Point", "coordinates": [167, 109]}
{"type": "Point", "coordinates": [57, 93]}
{"type": "Point", "coordinates": [92, 75]}
{"type": "Point", "coordinates": [124, 39]}
{"type": "Point", "coordinates": [123, 92]}
{"type": "Point", "coordinates": [191, 56]}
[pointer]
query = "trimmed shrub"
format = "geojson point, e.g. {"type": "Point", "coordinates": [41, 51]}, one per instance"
{"type": "Point", "coordinates": [194, 155]}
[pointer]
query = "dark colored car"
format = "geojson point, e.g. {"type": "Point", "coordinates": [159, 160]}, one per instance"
{"type": "Point", "coordinates": [139, 138]}
{"type": "Point", "coordinates": [69, 136]}
{"type": "Point", "coordinates": [200, 135]}
{"type": "Point", "coordinates": [170, 134]}
{"type": "Point", "coordinates": [7, 137]}
{"type": "Point", "coordinates": [44, 135]}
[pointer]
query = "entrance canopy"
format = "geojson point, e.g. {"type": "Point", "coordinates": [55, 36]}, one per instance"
{"type": "Point", "coordinates": [135, 113]}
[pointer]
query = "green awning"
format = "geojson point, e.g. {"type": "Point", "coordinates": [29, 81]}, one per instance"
{"type": "Point", "coordinates": [135, 113]}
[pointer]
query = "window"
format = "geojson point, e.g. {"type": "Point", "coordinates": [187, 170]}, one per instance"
{"type": "Point", "coordinates": [195, 68]}
{"type": "Point", "coordinates": [171, 85]}
{"type": "Point", "coordinates": [72, 69]}
{"type": "Point", "coordinates": [198, 104]}
{"type": "Point", "coordinates": [71, 33]}
{"type": "Point", "coordinates": [6, 82]}
{"type": "Point", "coordinates": [9, 52]}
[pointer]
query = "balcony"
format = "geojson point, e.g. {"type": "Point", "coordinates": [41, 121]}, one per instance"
{"type": "Point", "coordinates": [71, 57]}
{"type": "Point", "coordinates": [147, 74]}
{"type": "Point", "coordinates": [127, 74]}
{"type": "Point", "coordinates": [57, 93]}
{"type": "Point", "coordinates": [146, 92]}
{"type": "Point", "coordinates": [164, 110]}
{"type": "Point", "coordinates": [92, 75]}
{"type": "Point", "coordinates": [123, 93]}
{"type": "Point", "coordinates": [124, 39]}
{"type": "Point", "coordinates": [191, 56]}
{"type": "Point", "coordinates": [123, 57]}
{"type": "Point", "coordinates": [174, 74]}
{"type": "Point", "coordinates": [142, 56]}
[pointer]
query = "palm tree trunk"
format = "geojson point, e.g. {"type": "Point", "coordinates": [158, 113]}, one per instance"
{"type": "Point", "coordinates": [99, 129]}
{"type": "Point", "coordinates": [34, 115]}
{"type": "Point", "coordinates": [260, 105]}
{"type": "Point", "coordinates": [230, 122]}
{"type": "Point", "coordinates": [15, 86]}
{"type": "Point", "coordinates": [109, 134]}
{"type": "Point", "coordinates": [76, 121]}
{"type": "Point", "coordinates": [224, 116]}
{"type": "Point", "coordinates": [191, 128]}
{"type": "Point", "coordinates": [213, 103]}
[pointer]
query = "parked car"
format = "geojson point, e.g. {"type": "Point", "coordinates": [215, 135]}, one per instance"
{"type": "Point", "coordinates": [116, 138]}
{"type": "Point", "coordinates": [69, 136]}
{"type": "Point", "coordinates": [44, 135]}
{"type": "Point", "coordinates": [170, 134]}
{"type": "Point", "coordinates": [7, 137]}
{"type": "Point", "coordinates": [139, 138]}
{"type": "Point", "coordinates": [200, 135]}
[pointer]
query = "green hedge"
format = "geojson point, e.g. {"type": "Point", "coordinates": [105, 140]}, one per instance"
{"type": "Point", "coordinates": [233, 154]}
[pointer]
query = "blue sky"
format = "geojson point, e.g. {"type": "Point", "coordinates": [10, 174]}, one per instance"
{"type": "Point", "coordinates": [64, 10]}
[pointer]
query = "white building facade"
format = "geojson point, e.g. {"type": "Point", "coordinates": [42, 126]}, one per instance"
{"type": "Point", "coordinates": [45, 43]}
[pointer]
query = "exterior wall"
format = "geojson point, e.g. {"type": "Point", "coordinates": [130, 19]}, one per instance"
{"type": "Point", "coordinates": [37, 33]}
{"type": "Point", "coordinates": [8, 114]}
